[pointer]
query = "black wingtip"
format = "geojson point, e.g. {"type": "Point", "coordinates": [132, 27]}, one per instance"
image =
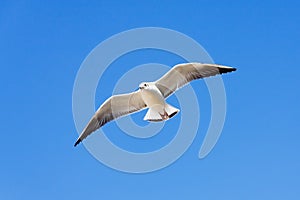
{"type": "Point", "coordinates": [77, 142]}
{"type": "Point", "coordinates": [226, 70]}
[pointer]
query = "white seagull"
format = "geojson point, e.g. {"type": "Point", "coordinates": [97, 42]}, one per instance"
{"type": "Point", "coordinates": [151, 95]}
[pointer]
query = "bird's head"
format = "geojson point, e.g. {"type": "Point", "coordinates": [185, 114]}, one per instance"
{"type": "Point", "coordinates": [144, 85]}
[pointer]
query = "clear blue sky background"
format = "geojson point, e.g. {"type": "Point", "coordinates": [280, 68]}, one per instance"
{"type": "Point", "coordinates": [42, 44]}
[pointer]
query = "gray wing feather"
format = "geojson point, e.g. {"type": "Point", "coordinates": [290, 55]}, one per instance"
{"type": "Point", "coordinates": [182, 74]}
{"type": "Point", "coordinates": [114, 107]}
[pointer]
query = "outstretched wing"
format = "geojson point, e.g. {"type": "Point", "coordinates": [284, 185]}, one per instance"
{"type": "Point", "coordinates": [114, 107]}
{"type": "Point", "coordinates": [181, 74]}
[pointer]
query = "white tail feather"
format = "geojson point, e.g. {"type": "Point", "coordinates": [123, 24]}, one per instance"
{"type": "Point", "coordinates": [171, 111]}
{"type": "Point", "coordinates": [153, 115]}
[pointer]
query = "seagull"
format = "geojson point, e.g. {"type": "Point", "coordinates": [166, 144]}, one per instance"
{"type": "Point", "coordinates": [151, 95]}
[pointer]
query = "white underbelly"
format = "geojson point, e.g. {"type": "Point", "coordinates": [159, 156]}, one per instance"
{"type": "Point", "coordinates": [153, 100]}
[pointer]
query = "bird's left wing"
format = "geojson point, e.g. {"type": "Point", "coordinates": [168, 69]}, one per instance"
{"type": "Point", "coordinates": [114, 107]}
{"type": "Point", "coordinates": [182, 74]}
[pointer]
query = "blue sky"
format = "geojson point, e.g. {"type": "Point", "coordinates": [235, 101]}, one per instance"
{"type": "Point", "coordinates": [43, 45]}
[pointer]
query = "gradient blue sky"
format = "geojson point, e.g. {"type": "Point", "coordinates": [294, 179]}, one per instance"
{"type": "Point", "coordinates": [42, 44]}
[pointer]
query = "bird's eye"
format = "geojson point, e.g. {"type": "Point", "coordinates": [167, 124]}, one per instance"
{"type": "Point", "coordinates": [145, 84]}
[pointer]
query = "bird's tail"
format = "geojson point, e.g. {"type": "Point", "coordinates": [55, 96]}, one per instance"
{"type": "Point", "coordinates": [154, 116]}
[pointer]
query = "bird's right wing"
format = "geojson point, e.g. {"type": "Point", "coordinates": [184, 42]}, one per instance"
{"type": "Point", "coordinates": [182, 74]}
{"type": "Point", "coordinates": [114, 107]}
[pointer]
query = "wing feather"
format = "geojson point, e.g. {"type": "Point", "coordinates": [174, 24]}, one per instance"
{"type": "Point", "coordinates": [114, 107]}
{"type": "Point", "coordinates": [182, 74]}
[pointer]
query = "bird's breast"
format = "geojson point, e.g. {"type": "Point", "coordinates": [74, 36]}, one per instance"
{"type": "Point", "coordinates": [152, 98]}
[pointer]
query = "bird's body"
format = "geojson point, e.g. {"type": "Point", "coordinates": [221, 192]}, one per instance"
{"type": "Point", "coordinates": [159, 110]}
{"type": "Point", "coordinates": [151, 95]}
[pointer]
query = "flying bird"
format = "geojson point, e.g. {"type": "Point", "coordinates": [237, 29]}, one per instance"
{"type": "Point", "coordinates": [151, 95]}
